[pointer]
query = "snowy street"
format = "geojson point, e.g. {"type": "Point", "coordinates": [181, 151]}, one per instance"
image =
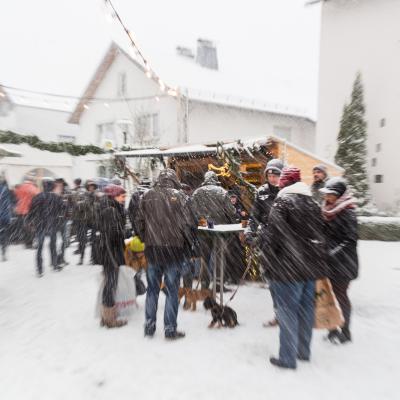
{"type": "Point", "coordinates": [52, 347]}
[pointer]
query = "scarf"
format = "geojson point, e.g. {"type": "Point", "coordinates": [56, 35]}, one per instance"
{"type": "Point", "coordinates": [330, 211]}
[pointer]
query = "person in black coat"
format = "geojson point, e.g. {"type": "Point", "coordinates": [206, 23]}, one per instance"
{"type": "Point", "coordinates": [111, 225]}
{"type": "Point", "coordinates": [320, 176]}
{"type": "Point", "coordinates": [5, 216]}
{"type": "Point", "coordinates": [164, 225]}
{"type": "Point", "coordinates": [341, 235]}
{"type": "Point", "coordinates": [211, 201]}
{"type": "Point", "coordinates": [265, 197]}
{"type": "Point", "coordinates": [43, 217]}
{"type": "Point", "coordinates": [258, 220]}
{"type": "Point", "coordinates": [295, 256]}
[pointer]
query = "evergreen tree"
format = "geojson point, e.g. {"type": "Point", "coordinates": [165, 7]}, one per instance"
{"type": "Point", "coordinates": [352, 147]}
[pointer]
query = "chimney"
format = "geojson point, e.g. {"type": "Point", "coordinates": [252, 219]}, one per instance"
{"type": "Point", "coordinates": [207, 54]}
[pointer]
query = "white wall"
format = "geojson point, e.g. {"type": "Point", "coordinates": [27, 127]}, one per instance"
{"type": "Point", "coordinates": [138, 85]}
{"type": "Point", "coordinates": [363, 36]}
{"type": "Point", "coordinates": [209, 122]}
{"type": "Point", "coordinates": [7, 115]}
{"type": "Point", "coordinates": [47, 124]}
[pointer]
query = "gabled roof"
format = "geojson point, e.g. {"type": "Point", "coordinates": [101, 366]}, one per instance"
{"type": "Point", "coordinates": [195, 82]}
{"type": "Point", "coordinates": [94, 83]}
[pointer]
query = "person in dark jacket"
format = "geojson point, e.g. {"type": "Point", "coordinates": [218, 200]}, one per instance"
{"type": "Point", "coordinates": [320, 175]}
{"type": "Point", "coordinates": [295, 256]}
{"type": "Point", "coordinates": [163, 224]}
{"type": "Point", "coordinates": [240, 212]}
{"type": "Point", "coordinates": [263, 201]}
{"type": "Point", "coordinates": [87, 209]}
{"type": "Point", "coordinates": [61, 188]}
{"type": "Point", "coordinates": [111, 225]}
{"type": "Point", "coordinates": [211, 201]}
{"type": "Point", "coordinates": [258, 221]}
{"type": "Point", "coordinates": [5, 216]}
{"type": "Point", "coordinates": [43, 217]}
{"type": "Point", "coordinates": [133, 207]}
{"type": "Point", "coordinates": [341, 235]}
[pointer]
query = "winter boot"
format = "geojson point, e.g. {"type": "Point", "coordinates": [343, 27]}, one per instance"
{"type": "Point", "coordinates": [345, 335]}
{"type": "Point", "coordinates": [278, 363]}
{"type": "Point", "coordinates": [109, 318]}
{"type": "Point", "coordinates": [174, 335]}
{"type": "Point", "coordinates": [334, 336]}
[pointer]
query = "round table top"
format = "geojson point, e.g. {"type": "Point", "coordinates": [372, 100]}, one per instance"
{"type": "Point", "coordinates": [223, 228]}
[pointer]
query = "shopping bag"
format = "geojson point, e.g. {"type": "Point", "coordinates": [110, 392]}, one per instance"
{"type": "Point", "coordinates": [328, 314]}
{"type": "Point", "coordinates": [125, 295]}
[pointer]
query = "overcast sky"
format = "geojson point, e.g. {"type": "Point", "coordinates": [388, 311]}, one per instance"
{"type": "Point", "coordinates": [55, 45]}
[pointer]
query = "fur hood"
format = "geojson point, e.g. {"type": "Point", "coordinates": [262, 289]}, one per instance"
{"type": "Point", "coordinates": [296, 188]}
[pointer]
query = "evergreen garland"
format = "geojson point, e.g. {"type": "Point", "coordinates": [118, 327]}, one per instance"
{"type": "Point", "coordinates": [62, 147]}
{"type": "Point", "coordinates": [352, 148]}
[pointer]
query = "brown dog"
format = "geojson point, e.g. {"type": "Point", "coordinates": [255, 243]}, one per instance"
{"type": "Point", "coordinates": [192, 297]}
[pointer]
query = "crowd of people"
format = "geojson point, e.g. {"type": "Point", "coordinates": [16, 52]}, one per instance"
{"type": "Point", "coordinates": [301, 234]}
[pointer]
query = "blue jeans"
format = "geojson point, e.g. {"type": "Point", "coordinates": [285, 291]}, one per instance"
{"type": "Point", "coordinates": [53, 248]}
{"type": "Point", "coordinates": [295, 306]}
{"type": "Point", "coordinates": [172, 277]}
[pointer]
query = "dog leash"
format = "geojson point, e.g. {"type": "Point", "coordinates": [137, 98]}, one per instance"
{"type": "Point", "coordinates": [241, 279]}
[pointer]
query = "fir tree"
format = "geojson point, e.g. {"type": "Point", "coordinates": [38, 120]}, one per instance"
{"type": "Point", "coordinates": [352, 147]}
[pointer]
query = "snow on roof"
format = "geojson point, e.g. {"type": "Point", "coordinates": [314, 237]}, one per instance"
{"type": "Point", "coordinates": [4, 152]}
{"type": "Point", "coordinates": [203, 84]}
{"type": "Point", "coordinates": [47, 102]}
{"type": "Point", "coordinates": [35, 157]}
{"type": "Point", "coordinates": [244, 145]}
{"type": "Point", "coordinates": [170, 152]}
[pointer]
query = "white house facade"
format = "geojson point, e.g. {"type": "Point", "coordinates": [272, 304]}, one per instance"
{"type": "Point", "coordinates": [121, 105]}
{"type": "Point", "coordinates": [363, 36]}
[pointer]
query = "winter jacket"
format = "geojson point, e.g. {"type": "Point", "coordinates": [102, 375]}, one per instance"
{"type": "Point", "coordinates": [212, 202]}
{"type": "Point", "coordinates": [259, 214]}
{"type": "Point", "coordinates": [5, 205]}
{"type": "Point", "coordinates": [111, 225]}
{"type": "Point", "coordinates": [133, 209]}
{"type": "Point", "coordinates": [341, 235]}
{"type": "Point", "coordinates": [316, 194]}
{"type": "Point", "coordinates": [24, 194]}
{"type": "Point", "coordinates": [45, 211]}
{"type": "Point", "coordinates": [294, 247]}
{"type": "Point", "coordinates": [164, 221]}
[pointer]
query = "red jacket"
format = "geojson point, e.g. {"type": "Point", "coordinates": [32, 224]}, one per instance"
{"type": "Point", "coordinates": [24, 194]}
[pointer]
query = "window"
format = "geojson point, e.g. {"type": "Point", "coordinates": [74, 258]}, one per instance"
{"type": "Point", "coordinates": [283, 132]}
{"type": "Point", "coordinates": [66, 138]}
{"type": "Point", "coordinates": [374, 162]}
{"type": "Point", "coordinates": [378, 147]}
{"type": "Point", "coordinates": [378, 178]}
{"type": "Point", "coordinates": [105, 133]}
{"type": "Point", "coordinates": [122, 84]}
{"type": "Point", "coordinates": [126, 131]}
{"type": "Point", "coordinates": [147, 128]}
{"type": "Point", "coordinates": [383, 122]}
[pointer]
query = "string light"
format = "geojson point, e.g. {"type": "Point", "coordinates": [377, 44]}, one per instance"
{"type": "Point", "coordinates": [2, 94]}
{"type": "Point", "coordinates": [172, 92]}
{"type": "Point", "coordinates": [149, 71]}
{"type": "Point", "coordinates": [162, 85]}
{"type": "Point", "coordinates": [106, 105]}
{"type": "Point", "coordinates": [157, 99]}
{"type": "Point", "coordinates": [86, 107]}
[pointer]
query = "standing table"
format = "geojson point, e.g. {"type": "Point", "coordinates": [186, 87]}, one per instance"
{"type": "Point", "coordinates": [221, 235]}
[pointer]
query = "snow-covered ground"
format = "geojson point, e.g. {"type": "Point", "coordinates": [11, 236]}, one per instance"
{"type": "Point", "coordinates": [51, 347]}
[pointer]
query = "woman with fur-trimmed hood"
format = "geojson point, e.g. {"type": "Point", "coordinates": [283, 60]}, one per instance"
{"type": "Point", "coordinates": [341, 234]}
